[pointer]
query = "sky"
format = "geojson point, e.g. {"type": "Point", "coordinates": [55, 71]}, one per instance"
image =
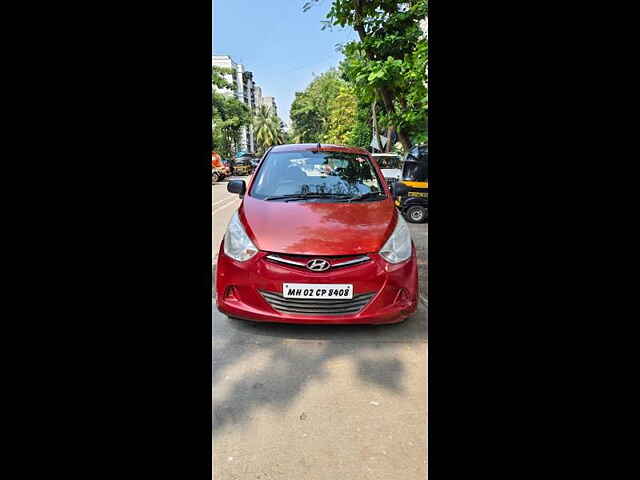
{"type": "Point", "coordinates": [282, 45]}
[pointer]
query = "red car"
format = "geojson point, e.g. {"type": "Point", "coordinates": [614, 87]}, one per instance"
{"type": "Point", "coordinates": [317, 240]}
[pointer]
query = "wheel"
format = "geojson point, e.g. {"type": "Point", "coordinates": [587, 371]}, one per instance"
{"type": "Point", "coordinates": [214, 177]}
{"type": "Point", "coordinates": [416, 214]}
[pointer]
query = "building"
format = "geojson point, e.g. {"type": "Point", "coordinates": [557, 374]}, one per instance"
{"type": "Point", "coordinates": [270, 102]}
{"type": "Point", "coordinates": [243, 89]}
{"type": "Point", "coordinates": [258, 96]}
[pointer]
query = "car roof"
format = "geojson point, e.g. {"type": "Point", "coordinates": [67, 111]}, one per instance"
{"type": "Point", "coordinates": [324, 147]}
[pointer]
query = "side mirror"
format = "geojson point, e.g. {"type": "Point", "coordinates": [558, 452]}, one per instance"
{"type": "Point", "coordinates": [399, 189]}
{"type": "Point", "coordinates": [237, 186]}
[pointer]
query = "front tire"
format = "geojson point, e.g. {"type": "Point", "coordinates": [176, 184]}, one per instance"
{"type": "Point", "coordinates": [416, 214]}
{"type": "Point", "coordinates": [215, 177]}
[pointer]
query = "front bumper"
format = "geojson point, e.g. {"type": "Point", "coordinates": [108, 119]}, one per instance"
{"type": "Point", "coordinates": [394, 289]}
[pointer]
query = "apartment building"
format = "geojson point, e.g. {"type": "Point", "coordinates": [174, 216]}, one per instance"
{"type": "Point", "coordinates": [243, 89]}
{"type": "Point", "coordinates": [270, 102]}
{"type": "Point", "coordinates": [258, 91]}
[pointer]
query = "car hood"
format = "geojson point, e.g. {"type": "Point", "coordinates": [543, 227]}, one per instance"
{"type": "Point", "coordinates": [318, 228]}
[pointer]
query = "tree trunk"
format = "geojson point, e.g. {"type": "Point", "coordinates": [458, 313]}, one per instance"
{"type": "Point", "coordinates": [390, 130]}
{"type": "Point", "coordinates": [387, 99]}
{"type": "Point", "coordinates": [375, 124]}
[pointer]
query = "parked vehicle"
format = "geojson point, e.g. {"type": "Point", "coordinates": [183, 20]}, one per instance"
{"type": "Point", "coordinates": [390, 164]}
{"type": "Point", "coordinates": [317, 240]}
{"type": "Point", "coordinates": [228, 165]}
{"type": "Point", "coordinates": [415, 204]}
{"type": "Point", "coordinates": [218, 170]}
{"type": "Point", "coordinates": [242, 165]}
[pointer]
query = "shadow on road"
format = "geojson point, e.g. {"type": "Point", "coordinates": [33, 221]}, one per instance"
{"type": "Point", "coordinates": [289, 370]}
{"type": "Point", "coordinates": [299, 354]}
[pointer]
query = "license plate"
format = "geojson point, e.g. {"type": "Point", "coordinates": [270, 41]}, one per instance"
{"type": "Point", "coordinates": [314, 290]}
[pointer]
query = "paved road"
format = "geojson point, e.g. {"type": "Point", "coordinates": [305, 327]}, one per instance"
{"type": "Point", "coordinates": [316, 402]}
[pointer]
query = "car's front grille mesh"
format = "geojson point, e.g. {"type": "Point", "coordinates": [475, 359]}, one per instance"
{"type": "Point", "coordinates": [317, 306]}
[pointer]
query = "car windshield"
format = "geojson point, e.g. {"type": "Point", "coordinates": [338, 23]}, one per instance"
{"type": "Point", "coordinates": [415, 172]}
{"type": "Point", "coordinates": [329, 174]}
{"type": "Point", "coordinates": [388, 162]}
{"type": "Point", "coordinates": [416, 167]}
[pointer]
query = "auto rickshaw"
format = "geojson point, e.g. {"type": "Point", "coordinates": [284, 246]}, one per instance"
{"type": "Point", "coordinates": [415, 204]}
{"type": "Point", "coordinates": [243, 165]}
{"type": "Point", "coordinates": [218, 170]}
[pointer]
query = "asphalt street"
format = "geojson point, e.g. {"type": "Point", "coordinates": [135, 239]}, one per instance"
{"type": "Point", "coordinates": [318, 402]}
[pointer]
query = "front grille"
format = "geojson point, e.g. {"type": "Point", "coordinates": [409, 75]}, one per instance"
{"type": "Point", "coordinates": [317, 306]}
{"type": "Point", "coordinates": [300, 261]}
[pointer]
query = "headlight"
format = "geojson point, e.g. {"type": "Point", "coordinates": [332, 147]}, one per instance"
{"type": "Point", "coordinates": [398, 248]}
{"type": "Point", "coordinates": [237, 243]}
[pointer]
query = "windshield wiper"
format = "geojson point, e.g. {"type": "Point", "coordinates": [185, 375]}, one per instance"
{"type": "Point", "coordinates": [304, 196]}
{"type": "Point", "coordinates": [366, 195]}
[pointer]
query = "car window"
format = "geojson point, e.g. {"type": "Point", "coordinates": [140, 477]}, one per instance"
{"type": "Point", "coordinates": [416, 166]}
{"type": "Point", "coordinates": [290, 173]}
{"type": "Point", "coordinates": [388, 162]}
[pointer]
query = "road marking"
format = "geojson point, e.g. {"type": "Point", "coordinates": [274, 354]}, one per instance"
{"type": "Point", "coordinates": [224, 200]}
{"type": "Point", "coordinates": [226, 205]}
{"type": "Point", "coordinates": [222, 207]}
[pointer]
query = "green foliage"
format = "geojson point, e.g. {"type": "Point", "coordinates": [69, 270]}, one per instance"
{"type": "Point", "coordinates": [218, 79]}
{"type": "Point", "coordinates": [362, 130]}
{"type": "Point", "coordinates": [267, 129]}
{"type": "Point", "coordinates": [310, 110]}
{"type": "Point", "coordinates": [229, 116]}
{"type": "Point", "coordinates": [388, 63]}
{"type": "Point", "coordinates": [307, 123]}
{"type": "Point", "coordinates": [330, 110]}
{"type": "Point", "coordinates": [341, 118]}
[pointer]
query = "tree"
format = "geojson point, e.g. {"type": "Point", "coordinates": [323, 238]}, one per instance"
{"type": "Point", "coordinates": [306, 120]}
{"type": "Point", "coordinates": [388, 63]}
{"type": "Point", "coordinates": [277, 126]}
{"type": "Point", "coordinates": [267, 128]}
{"type": "Point", "coordinates": [229, 115]}
{"type": "Point", "coordinates": [342, 117]}
{"type": "Point", "coordinates": [310, 110]}
{"type": "Point", "coordinates": [218, 79]}
{"type": "Point", "coordinates": [331, 110]}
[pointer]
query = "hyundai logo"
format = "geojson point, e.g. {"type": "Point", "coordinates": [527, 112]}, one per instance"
{"type": "Point", "coordinates": [318, 265]}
